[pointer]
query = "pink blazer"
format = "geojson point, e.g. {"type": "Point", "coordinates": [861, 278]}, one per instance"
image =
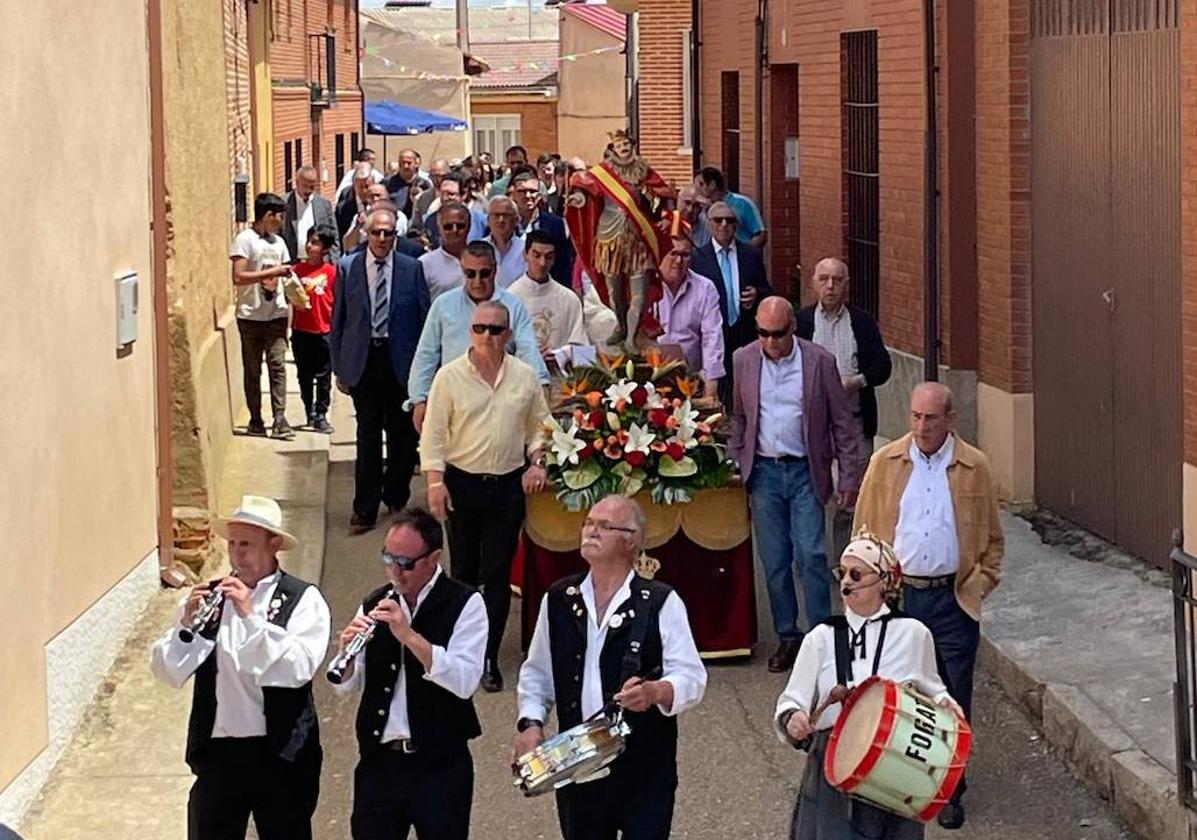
{"type": "Point", "coordinates": [828, 427]}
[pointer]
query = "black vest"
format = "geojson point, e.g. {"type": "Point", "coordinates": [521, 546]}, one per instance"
{"type": "Point", "coordinates": [291, 723]}
{"type": "Point", "coordinates": [440, 720]}
{"type": "Point", "coordinates": [654, 736]}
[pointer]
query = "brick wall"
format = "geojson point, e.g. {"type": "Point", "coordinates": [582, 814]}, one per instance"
{"type": "Point", "coordinates": [661, 24]}
{"type": "Point", "coordinates": [538, 121]}
{"type": "Point", "coordinates": [1188, 205]}
{"type": "Point", "coordinates": [1004, 195]}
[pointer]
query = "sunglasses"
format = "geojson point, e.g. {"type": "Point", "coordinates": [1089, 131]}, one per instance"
{"type": "Point", "coordinates": [854, 574]}
{"type": "Point", "coordinates": [454, 226]}
{"type": "Point", "coordinates": [484, 273]}
{"type": "Point", "coordinates": [764, 333]}
{"type": "Point", "coordinates": [723, 220]}
{"type": "Point", "coordinates": [493, 329]}
{"type": "Point", "coordinates": [385, 234]}
{"type": "Point", "coordinates": [404, 563]}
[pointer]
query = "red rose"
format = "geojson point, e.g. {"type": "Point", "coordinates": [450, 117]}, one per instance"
{"type": "Point", "coordinates": [675, 451]}
{"type": "Point", "coordinates": [596, 419]}
{"type": "Point", "coordinates": [639, 396]}
{"type": "Point", "coordinates": [635, 458]}
{"type": "Point", "coordinates": [658, 417]}
{"type": "Point", "coordinates": [585, 452]}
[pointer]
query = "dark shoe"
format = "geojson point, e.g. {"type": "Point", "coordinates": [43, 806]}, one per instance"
{"type": "Point", "coordinates": [783, 658]}
{"type": "Point", "coordinates": [256, 428]}
{"type": "Point", "coordinates": [492, 680]}
{"type": "Point", "coordinates": [359, 524]}
{"type": "Point", "coordinates": [952, 816]}
{"type": "Point", "coordinates": [321, 425]}
{"type": "Point", "coordinates": [282, 430]}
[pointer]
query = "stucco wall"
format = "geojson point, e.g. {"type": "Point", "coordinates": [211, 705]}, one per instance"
{"type": "Point", "coordinates": [590, 101]}
{"type": "Point", "coordinates": [201, 226]}
{"type": "Point", "coordinates": [78, 500]}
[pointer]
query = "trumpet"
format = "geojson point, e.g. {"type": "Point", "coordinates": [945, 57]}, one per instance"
{"type": "Point", "coordinates": [207, 612]}
{"type": "Point", "coordinates": [336, 671]}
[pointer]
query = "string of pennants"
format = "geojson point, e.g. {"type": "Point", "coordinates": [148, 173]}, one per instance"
{"type": "Point", "coordinates": [547, 65]}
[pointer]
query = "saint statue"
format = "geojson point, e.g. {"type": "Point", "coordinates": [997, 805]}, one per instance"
{"type": "Point", "coordinates": [613, 212]}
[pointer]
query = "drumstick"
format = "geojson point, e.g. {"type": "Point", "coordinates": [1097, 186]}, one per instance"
{"type": "Point", "coordinates": [837, 694]}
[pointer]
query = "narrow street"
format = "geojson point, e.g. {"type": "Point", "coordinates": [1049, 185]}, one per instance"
{"type": "Point", "coordinates": [736, 780]}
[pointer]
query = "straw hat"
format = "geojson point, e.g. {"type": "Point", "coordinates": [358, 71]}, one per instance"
{"type": "Point", "coordinates": [260, 511]}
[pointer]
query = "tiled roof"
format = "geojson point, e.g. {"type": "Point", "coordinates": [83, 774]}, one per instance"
{"type": "Point", "coordinates": [601, 17]}
{"type": "Point", "coordinates": [486, 25]}
{"type": "Point", "coordinates": [516, 64]}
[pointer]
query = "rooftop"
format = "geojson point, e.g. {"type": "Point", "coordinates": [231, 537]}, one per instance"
{"type": "Point", "coordinates": [600, 16]}
{"type": "Point", "coordinates": [516, 64]}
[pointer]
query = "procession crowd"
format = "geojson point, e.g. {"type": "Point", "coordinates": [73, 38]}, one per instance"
{"type": "Point", "coordinates": [441, 304]}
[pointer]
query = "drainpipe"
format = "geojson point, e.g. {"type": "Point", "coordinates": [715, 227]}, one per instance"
{"type": "Point", "coordinates": [930, 207]}
{"type": "Point", "coordinates": [162, 378]}
{"type": "Point", "coordinates": [762, 53]}
{"type": "Point", "coordinates": [695, 86]}
{"type": "Point", "coordinates": [631, 50]}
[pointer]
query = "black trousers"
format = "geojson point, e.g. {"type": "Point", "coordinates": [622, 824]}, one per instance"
{"type": "Point", "coordinates": [484, 529]}
{"type": "Point", "coordinates": [236, 777]}
{"type": "Point", "coordinates": [378, 401]}
{"type": "Point", "coordinates": [394, 792]}
{"type": "Point", "coordinates": [314, 366]}
{"type": "Point", "coordinates": [631, 803]}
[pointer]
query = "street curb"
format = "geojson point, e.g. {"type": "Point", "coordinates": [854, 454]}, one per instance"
{"type": "Point", "coordinates": [1099, 751]}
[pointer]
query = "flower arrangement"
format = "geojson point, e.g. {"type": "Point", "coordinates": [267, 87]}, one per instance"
{"type": "Point", "coordinates": [625, 424]}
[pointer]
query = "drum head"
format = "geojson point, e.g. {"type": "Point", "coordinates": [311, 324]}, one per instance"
{"type": "Point", "coordinates": [858, 727]}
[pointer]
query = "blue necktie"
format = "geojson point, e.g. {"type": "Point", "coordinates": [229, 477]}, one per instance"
{"type": "Point", "coordinates": [729, 283]}
{"type": "Point", "coordinates": [382, 301]}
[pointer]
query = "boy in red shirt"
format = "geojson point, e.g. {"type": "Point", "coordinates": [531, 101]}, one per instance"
{"type": "Point", "coordinates": [310, 328]}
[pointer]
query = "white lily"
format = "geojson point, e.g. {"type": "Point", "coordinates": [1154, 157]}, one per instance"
{"type": "Point", "coordinates": [655, 400]}
{"type": "Point", "coordinates": [621, 390]}
{"type": "Point", "coordinates": [566, 445]}
{"type": "Point", "coordinates": [639, 439]}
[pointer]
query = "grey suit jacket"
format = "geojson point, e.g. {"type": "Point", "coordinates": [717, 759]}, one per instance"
{"type": "Point", "coordinates": [828, 427]}
{"type": "Point", "coordinates": [322, 215]}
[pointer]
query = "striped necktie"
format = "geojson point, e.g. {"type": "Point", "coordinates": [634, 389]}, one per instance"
{"type": "Point", "coordinates": [382, 300]}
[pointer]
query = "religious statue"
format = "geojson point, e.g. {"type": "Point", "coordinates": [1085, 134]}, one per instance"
{"type": "Point", "coordinates": [613, 212]}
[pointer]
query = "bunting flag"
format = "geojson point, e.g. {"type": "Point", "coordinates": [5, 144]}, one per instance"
{"type": "Point", "coordinates": [547, 65]}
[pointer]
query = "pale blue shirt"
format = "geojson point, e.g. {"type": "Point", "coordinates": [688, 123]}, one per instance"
{"type": "Point", "coordinates": [779, 424]}
{"type": "Point", "coordinates": [446, 336]}
{"type": "Point", "coordinates": [512, 265]}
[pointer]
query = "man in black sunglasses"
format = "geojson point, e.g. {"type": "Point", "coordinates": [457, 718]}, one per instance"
{"type": "Point", "coordinates": [382, 300]}
{"type": "Point", "coordinates": [790, 419]}
{"type": "Point", "coordinates": [417, 675]}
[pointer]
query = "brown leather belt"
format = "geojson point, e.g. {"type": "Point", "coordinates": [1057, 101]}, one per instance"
{"type": "Point", "coordinates": [916, 582]}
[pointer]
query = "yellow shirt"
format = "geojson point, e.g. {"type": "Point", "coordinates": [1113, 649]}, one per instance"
{"type": "Point", "coordinates": [480, 429]}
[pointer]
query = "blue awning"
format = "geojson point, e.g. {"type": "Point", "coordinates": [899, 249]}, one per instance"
{"type": "Point", "coordinates": [396, 118]}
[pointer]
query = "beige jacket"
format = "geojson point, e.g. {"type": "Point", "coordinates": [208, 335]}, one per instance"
{"type": "Point", "coordinates": [974, 499]}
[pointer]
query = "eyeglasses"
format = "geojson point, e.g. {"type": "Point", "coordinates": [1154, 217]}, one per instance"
{"type": "Point", "coordinates": [385, 234]}
{"type": "Point", "coordinates": [493, 329]}
{"type": "Point", "coordinates": [605, 527]}
{"type": "Point", "coordinates": [764, 333]}
{"type": "Point", "coordinates": [679, 255]}
{"type": "Point", "coordinates": [404, 563]}
{"type": "Point", "coordinates": [484, 273]}
{"type": "Point", "coordinates": [454, 226]}
{"type": "Point", "coordinates": [854, 574]}
{"type": "Point", "coordinates": [529, 191]}
{"type": "Point", "coordinates": [723, 220]}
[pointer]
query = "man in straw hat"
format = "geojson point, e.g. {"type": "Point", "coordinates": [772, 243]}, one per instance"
{"type": "Point", "coordinates": [253, 740]}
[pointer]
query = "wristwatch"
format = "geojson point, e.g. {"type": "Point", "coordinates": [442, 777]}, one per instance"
{"type": "Point", "coordinates": [527, 723]}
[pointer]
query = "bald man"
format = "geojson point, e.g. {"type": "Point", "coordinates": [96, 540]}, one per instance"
{"type": "Point", "coordinates": [931, 496]}
{"type": "Point", "coordinates": [790, 420]}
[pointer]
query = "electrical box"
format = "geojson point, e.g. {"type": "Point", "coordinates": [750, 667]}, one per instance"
{"type": "Point", "coordinates": [126, 310]}
{"type": "Point", "coordinates": [791, 157]}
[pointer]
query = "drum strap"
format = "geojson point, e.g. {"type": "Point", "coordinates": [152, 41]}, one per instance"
{"type": "Point", "coordinates": [844, 647]}
{"type": "Point", "coordinates": [630, 667]}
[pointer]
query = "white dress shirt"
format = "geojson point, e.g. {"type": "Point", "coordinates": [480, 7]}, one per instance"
{"type": "Point", "coordinates": [511, 263]}
{"type": "Point", "coordinates": [303, 221]}
{"type": "Point", "coordinates": [681, 666]}
{"type": "Point", "coordinates": [442, 272]}
{"type": "Point", "coordinates": [907, 656]}
{"type": "Point", "coordinates": [457, 667]}
{"type": "Point", "coordinates": [779, 422]}
{"type": "Point", "coordinates": [373, 274]}
{"type": "Point", "coordinates": [251, 654]}
{"type": "Point", "coordinates": [926, 538]}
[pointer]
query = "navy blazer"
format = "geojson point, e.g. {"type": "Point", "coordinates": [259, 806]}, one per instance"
{"type": "Point", "coordinates": [349, 340]}
{"type": "Point", "coordinates": [751, 261]}
{"type": "Point", "coordinates": [563, 267]}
